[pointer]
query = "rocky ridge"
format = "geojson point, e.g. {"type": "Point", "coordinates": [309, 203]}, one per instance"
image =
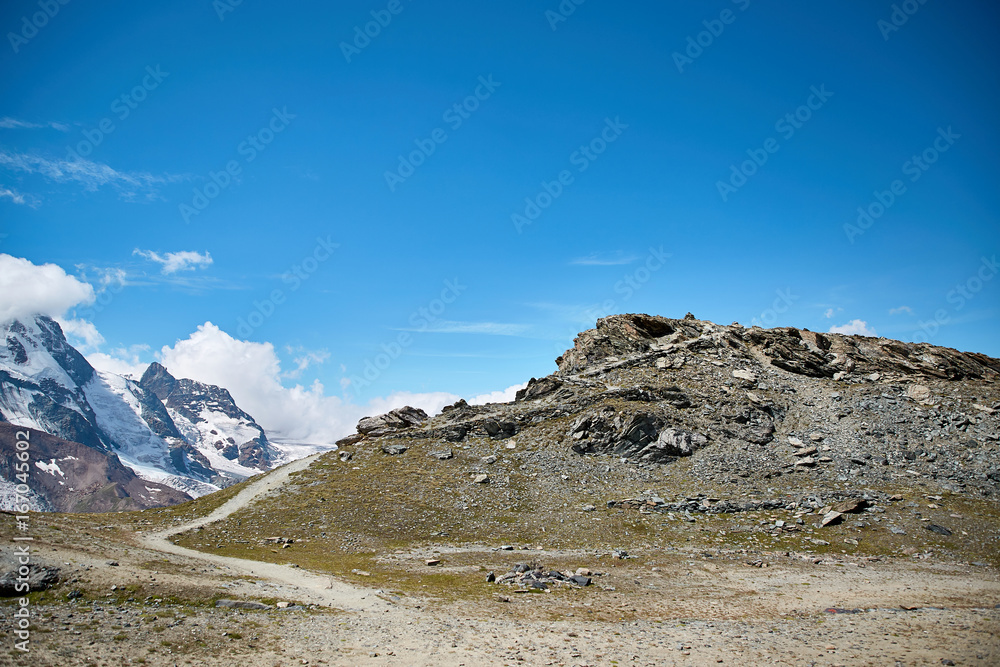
{"type": "Point", "coordinates": [749, 404]}
{"type": "Point", "coordinates": [66, 476]}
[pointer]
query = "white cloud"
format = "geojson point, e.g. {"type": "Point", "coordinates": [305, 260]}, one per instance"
{"type": "Point", "coordinates": [9, 123]}
{"type": "Point", "coordinates": [121, 361]}
{"type": "Point", "coordinates": [604, 259]}
{"type": "Point", "coordinates": [901, 309]}
{"type": "Point", "coordinates": [28, 289]}
{"type": "Point", "coordinates": [430, 402]}
{"type": "Point", "coordinates": [305, 359]}
{"type": "Point", "coordinates": [252, 374]}
{"type": "Point", "coordinates": [829, 313]}
{"type": "Point", "coordinates": [488, 328]}
{"type": "Point", "coordinates": [81, 334]}
{"type": "Point", "coordinates": [854, 327]}
{"type": "Point", "coordinates": [91, 175]}
{"type": "Point", "coordinates": [172, 262]}
{"type": "Point", "coordinates": [503, 396]}
{"type": "Point", "coordinates": [15, 196]}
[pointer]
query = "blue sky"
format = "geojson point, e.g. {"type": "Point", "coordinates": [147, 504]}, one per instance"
{"type": "Point", "coordinates": [251, 139]}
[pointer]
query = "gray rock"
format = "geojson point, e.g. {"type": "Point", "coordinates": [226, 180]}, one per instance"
{"type": "Point", "coordinates": [352, 439]}
{"type": "Point", "coordinates": [538, 389]}
{"type": "Point", "coordinates": [637, 436]}
{"type": "Point", "coordinates": [852, 505]}
{"type": "Point", "coordinates": [392, 421]}
{"type": "Point", "coordinates": [830, 518]}
{"type": "Point", "coordinates": [918, 392]}
{"type": "Point", "coordinates": [39, 578]}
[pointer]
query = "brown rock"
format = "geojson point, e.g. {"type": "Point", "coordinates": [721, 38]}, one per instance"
{"type": "Point", "coordinates": [830, 518]}
{"type": "Point", "coordinates": [850, 506]}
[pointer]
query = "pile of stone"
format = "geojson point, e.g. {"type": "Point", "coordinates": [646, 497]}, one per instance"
{"type": "Point", "coordinates": [534, 576]}
{"type": "Point", "coordinates": [846, 504]}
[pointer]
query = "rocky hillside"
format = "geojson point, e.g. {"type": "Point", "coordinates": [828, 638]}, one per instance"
{"type": "Point", "coordinates": [656, 432]}
{"type": "Point", "coordinates": [755, 404]}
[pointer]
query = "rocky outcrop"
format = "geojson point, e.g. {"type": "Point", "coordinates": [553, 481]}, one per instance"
{"type": "Point", "coordinates": [38, 578]}
{"type": "Point", "coordinates": [627, 337]}
{"type": "Point", "coordinates": [391, 422]}
{"type": "Point", "coordinates": [639, 436]}
{"type": "Point", "coordinates": [749, 405]}
{"type": "Point", "coordinates": [538, 389]}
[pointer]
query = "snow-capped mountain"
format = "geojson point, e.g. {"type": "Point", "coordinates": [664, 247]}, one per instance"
{"type": "Point", "coordinates": [184, 434]}
{"type": "Point", "coordinates": [208, 417]}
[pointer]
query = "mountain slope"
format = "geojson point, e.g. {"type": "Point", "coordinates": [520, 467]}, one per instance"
{"type": "Point", "coordinates": [66, 476]}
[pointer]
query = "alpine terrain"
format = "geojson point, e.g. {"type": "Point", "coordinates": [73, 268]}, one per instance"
{"type": "Point", "coordinates": [675, 492]}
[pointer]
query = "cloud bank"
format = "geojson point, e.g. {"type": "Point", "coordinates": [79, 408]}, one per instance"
{"type": "Point", "coordinates": [854, 327]}
{"type": "Point", "coordinates": [28, 289]}
{"type": "Point", "coordinates": [252, 373]}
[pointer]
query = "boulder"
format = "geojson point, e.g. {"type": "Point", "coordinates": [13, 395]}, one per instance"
{"type": "Point", "coordinates": [830, 517]}
{"type": "Point", "coordinates": [352, 439]}
{"type": "Point", "coordinates": [850, 506]}
{"type": "Point", "coordinates": [538, 389]}
{"type": "Point", "coordinates": [392, 421]}
{"type": "Point", "coordinates": [40, 578]}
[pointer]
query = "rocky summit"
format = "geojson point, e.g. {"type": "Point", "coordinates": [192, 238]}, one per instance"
{"type": "Point", "coordinates": [747, 405]}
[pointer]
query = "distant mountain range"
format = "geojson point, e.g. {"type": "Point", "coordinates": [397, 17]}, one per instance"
{"type": "Point", "coordinates": [185, 435]}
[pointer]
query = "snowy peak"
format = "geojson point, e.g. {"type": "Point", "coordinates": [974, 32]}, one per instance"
{"type": "Point", "coordinates": [41, 346]}
{"type": "Point", "coordinates": [209, 418]}
{"type": "Point", "coordinates": [41, 382]}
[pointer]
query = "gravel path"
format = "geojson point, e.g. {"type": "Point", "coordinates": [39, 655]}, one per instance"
{"type": "Point", "coordinates": [309, 587]}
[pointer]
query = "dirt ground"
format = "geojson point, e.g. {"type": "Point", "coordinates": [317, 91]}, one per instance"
{"type": "Point", "coordinates": [145, 600]}
{"type": "Point", "coordinates": [728, 614]}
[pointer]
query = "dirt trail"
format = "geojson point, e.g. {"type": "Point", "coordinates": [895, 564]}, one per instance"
{"type": "Point", "coordinates": [312, 588]}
